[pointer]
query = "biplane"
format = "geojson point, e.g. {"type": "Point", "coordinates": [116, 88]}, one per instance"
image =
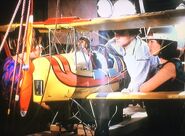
{"type": "Point", "coordinates": [59, 76]}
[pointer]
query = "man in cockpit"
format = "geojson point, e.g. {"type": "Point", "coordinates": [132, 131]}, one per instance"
{"type": "Point", "coordinates": [136, 55]}
{"type": "Point", "coordinates": [84, 53]}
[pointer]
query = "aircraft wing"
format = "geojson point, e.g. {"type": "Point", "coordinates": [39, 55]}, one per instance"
{"type": "Point", "coordinates": [151, 19]}
{"type": "Point", "coordinates": [137, 95]}
{"type": "Point", "coordinates": [40, 25]}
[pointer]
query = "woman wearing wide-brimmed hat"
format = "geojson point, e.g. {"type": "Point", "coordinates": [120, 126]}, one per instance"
{"type": "Point", "coordinates": [170, 75]}
{"type": "Point", "coordinates": [166, 115]}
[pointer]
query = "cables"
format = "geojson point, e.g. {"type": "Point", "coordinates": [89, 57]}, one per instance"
{"type": "Point", "coordinates": [10, 24]}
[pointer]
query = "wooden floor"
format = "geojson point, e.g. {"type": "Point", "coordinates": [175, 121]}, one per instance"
{"type": "Point", "coordinates": [125, 127]}
{"type": "Point", "coordinates": [137, 125]}
{"type": "Point", "coordinates": [36, 125]}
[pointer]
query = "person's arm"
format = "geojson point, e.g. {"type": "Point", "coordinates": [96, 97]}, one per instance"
{"type": "Point", "coordinates": [138, 73]}
{"type": "Point", "coordinates": [33, 54]}
{"type": "Point", "coordinates": [167, 72]}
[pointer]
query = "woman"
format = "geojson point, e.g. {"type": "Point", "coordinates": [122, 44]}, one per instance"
{"type": "Point", "coordinates": [169, 76]}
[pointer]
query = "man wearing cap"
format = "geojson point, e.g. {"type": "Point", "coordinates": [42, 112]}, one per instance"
{"type": "Point", "coordinates": [136, 55]}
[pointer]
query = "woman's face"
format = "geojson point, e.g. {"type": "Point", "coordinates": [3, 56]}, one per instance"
{"type": "Point", "coordinates": [154, 47]}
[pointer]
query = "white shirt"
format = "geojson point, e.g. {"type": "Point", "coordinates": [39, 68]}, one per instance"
{"type": "Point", "coordinates": [138, 61]}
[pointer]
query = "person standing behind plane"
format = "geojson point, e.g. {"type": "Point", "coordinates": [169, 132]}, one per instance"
{"type": "Point", "coordinates": [136, 56]}
{"type": "Point", "coordinates": [9, 62]}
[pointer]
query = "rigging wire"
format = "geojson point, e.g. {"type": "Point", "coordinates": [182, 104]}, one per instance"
{"type": "Point", "coordinates": [23, 47]}
{"type": "Point", "coordinates": [10, 24]}
{"type": "Point", "coordinates": [16, 60]}
{"type": "Point", "coordinates": [68, 42]}
{"type": "Point", "coordinates": [54, 33]}
{"type": "Point", "coordinates": [82, 108]}
{"type": "Point", "coordinates": [47, 77]}
{"type": "Point", "coordinates": [90, 102]}
{"type": "Point", "coordinates": [116, 110]}
{"type": "Point", "coordinates": [75, 49]}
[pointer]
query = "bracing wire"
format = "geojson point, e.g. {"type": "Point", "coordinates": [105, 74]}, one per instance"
{"type": "Point", "coordinates": [113, 115]}
{"type": "Point", "coordinates": [93, 112]}
{"type": "Point", "coordinates": [85, 126]}
{"type": "Point", "coordinates": [10, 24]}
{"type": "Point", "coordinates": [16, 60]}
{"type": "Point", "coordinates": [54, 117]}
{"type": "Point", "coordinates": [82, 108]}
{"type": "Point", "coordinates": [24, 42]}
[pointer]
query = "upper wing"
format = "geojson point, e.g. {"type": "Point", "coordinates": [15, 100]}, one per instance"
{"type": "Point", "coordinates": [152, 19]}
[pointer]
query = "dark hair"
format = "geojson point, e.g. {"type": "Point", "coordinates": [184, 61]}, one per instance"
{"type": "Point", "coordinates": [14, 34]}
{"type": "Point", "coordinates": [168, 49]}
{"type": "Point", "coordinates": [86, 40]}
{"type": "Point", "coordinates": [131, 32]}
{"type": "Point", "coordinates": [37, 34]}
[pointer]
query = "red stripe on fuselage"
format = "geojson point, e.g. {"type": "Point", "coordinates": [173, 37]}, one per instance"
{"type": "Point", "coordinates": [69, 78]}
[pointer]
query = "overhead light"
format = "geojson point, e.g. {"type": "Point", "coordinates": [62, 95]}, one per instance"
{"type": "Point", "coordinates": [123, 7]}
{"type": "Point", "coordinates": [104, 8]}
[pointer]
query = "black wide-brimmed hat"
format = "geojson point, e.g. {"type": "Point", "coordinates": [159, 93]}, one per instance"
{"type": "Point", "coordinates": [127, 31]}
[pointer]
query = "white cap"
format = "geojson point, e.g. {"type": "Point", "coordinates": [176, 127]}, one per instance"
{"type": "Point", "coordinates": [162, 33]}
{"type": "Point", "coordinates": [160, 36]}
